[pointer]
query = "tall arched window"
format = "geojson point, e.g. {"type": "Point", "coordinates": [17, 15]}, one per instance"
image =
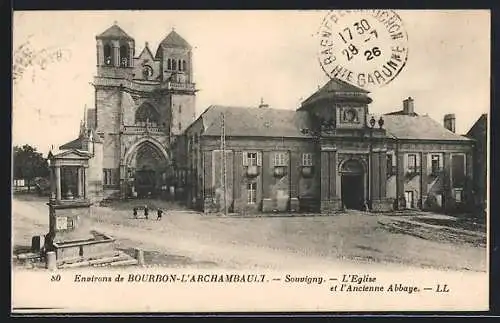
{"type": "Point", "coordinates": [174, 64]}
{"type": "Point", "coordinates": [108, 56]}
{"type": "Point", "coordinates": [169, 64]}
{"type": "Point", "coordinates": [180, 65]}
{"type": "Point", "coordinates": [183, 65]}
{"type": "Point", "coordinates": [124, 56]}
{"type": "Point", "coordinates": [146, 113]}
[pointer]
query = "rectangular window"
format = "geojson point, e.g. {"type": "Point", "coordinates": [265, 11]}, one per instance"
{"type": "Point", "coordinates": [280, 159]}
{"type": "Point", "coordinates": [412, 163]}
{"type": "Point", "coordinates": [458, 170]}
{"type": "Point", "coordinates": [252, 159]}
{"type": "Point", "coordinates": [107, 176]}
{"type": "Point", "coordinates": [435, 163]}
{"type": "Point", "coordinates": [252, 193]}
{"type": "Point", "coordinates": [307, 159]}
{"type": "Point", "coordinates": [458, 195]}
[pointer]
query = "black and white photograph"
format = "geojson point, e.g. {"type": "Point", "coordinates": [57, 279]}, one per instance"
{"type": "Point", "coordinates": [171, 161]}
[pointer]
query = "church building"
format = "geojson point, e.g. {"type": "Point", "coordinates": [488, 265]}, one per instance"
{"type": "Point", "coordinates": [142, 104]}
{"type": "Point", "coordinates": [328, 155]}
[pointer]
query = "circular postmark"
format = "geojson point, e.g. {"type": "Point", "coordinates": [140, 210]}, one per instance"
{"type": "Point", "coordinates": [366, 48]}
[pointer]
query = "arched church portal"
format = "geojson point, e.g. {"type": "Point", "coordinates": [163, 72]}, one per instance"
{"type": "Point", "coordinates": [148, 170]}
{"type": "Point", "coordinates": [352, 184]}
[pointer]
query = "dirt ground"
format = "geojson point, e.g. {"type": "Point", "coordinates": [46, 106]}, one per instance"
{"type": "Point", "coordinates": [189, 239]}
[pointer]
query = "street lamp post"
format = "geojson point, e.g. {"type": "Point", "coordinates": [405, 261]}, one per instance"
{"type": "Point", "coordinates": [370, 163]}
{"type": "Point", "coordinates": [370, 160]}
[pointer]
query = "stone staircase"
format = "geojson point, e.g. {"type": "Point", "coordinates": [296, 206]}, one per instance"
{"type": "Point", "coordinates": [118, 259]}
{"type": "Point", "coordinates": [113, 260]}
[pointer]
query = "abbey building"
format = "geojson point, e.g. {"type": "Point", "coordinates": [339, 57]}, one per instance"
{"type": "Point", "coordinates": [328, 155]}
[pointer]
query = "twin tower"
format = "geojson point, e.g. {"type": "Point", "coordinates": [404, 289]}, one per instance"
{"type": "Point", "coordinates": [142, 103]}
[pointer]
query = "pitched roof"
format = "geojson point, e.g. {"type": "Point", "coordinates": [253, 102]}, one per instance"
{"type": "Point", "coordinates": [173, 40]}
{"type": "Point", "coordinates": [146, 51]}
{"type": "Point", "coordinates": [78, 142]}
{"type": "Point", "coordinates": [418, 127]}
{"type": "Point", "coordinates": [71, 153]}
{"type": "Point", "coordinates": [267, 122]}
{"type": "Point", "coordinates": [331, 87]}
{"type": "Point", "coordinates": [115, 32]}
{"type": "Point", "coordinates": [252, 121]}
{"type": "Point", "coordinates": [481, 123]}
{"type": "Point", "coordinates": [73, 144]}
{"type": "Point", "coordinates": [400, 113]}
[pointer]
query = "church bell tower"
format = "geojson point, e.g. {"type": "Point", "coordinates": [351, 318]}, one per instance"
{"type": "Point", "coordinates": [175, 58]}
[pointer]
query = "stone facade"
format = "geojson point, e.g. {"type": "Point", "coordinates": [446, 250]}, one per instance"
{"type": "Point", "coordinates": [142, 104]}
{"type": "Point", "coordinates": [479, 132]}
{"type": "Point", "coordinates": [328, 166]}
{"type": "Point", "coordinates": [329, 155]}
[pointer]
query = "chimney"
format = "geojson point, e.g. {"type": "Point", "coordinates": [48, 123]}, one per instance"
{"type": "Point", "coordinates": [408, 107]}
{"type": "Point", "coordinates": [263, 105]}
{"type": "Point", "coordinates": [449, 122]}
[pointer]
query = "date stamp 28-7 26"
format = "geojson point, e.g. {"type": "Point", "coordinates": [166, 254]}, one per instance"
{"type": "Point", "coordinates": [367, 48]}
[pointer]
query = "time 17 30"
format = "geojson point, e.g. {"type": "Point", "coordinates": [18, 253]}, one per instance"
{"type": "Point", "coordinates": [362, 28]}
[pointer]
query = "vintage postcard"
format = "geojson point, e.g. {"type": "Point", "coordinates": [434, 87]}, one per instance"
{"type": "Point", "coordinates": [250, 161]}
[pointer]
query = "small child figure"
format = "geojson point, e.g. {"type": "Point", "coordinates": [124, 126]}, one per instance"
{"type": "Point", "coordinates": [146, 213]}
{"type": "Point", "coordinates": [160, 212]}
{"type": "Point", "coordinates": [135, 212]}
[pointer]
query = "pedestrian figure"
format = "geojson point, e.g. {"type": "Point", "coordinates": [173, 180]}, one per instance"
{"type": "Point", "coordinates": [366, 206]}
{"type": "Point", "coordinates": [160, 212]}
{"type": "Point", "coordinates": [146, 213]}
{"type": "Point", "coordinates": [135, 212]}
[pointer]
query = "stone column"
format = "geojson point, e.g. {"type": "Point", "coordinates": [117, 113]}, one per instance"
{"type": "Point", "coordinates": [79, 183]}
{"type": "Point", "coordinates": [325, 181]}
{"type": "Point", "coordinates": [52, 179]}
{"type": "Point", "coordinates": [58, 183]}
{"type": "Point", "coordinates": [131, 49]}
{"type": "Point", "coordinates": [85, 182]}
{"type": "Point", "coordinates": [100, 53]}
{"type": "Point", "coordinates": [116, 52]}
{"type": "Point", "coordinates": [375, 176]}
{"type": "Point", "coordinates": [383, 174]}
{"type": "Point", "coordinates": [333, 175]}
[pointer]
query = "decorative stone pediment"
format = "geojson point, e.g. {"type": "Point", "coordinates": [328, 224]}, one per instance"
{"type": "Point", "coordinates": [72, 154]}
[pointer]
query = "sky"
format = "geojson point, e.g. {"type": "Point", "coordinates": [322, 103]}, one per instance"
{"type": "Point", "coordinates": [240, 57]}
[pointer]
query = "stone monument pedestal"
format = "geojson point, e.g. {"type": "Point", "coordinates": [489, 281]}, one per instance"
{"type": "Point", "coordinates": [70, 235]}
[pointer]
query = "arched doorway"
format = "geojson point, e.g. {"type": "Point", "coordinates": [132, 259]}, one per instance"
{"type": "Point", "coordinates": [148, 171]}
{"type": "Point", "coordinates": [352, 184]}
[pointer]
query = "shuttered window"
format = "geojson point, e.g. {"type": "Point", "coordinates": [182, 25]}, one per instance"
{"type": "Point", "coordinates": [307, 159]}
{"type": "Point", "coordinates": [252, 158]}
{"type": "Point", "coordinates": [280, 159]}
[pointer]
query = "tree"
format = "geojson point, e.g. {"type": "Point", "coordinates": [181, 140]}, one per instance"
{"type": "Point", "coordinates": [29, 164]}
